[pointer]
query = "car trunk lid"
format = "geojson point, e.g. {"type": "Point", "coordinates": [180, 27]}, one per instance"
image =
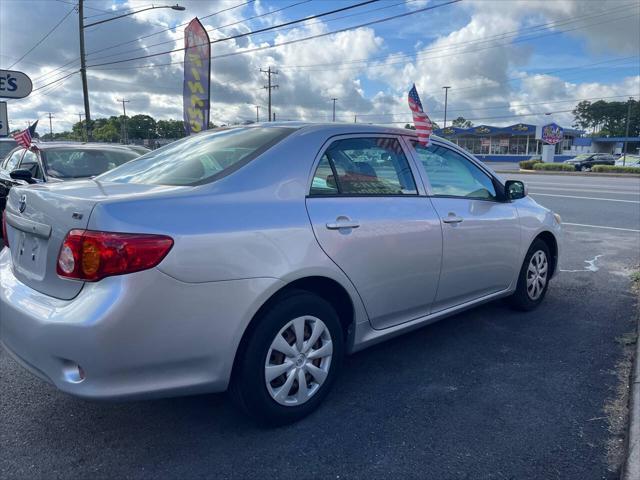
{"type": "Point", "coordinates": [39, 217]}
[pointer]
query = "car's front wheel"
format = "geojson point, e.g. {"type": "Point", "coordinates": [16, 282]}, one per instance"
{"type": "Point", "coordinates": [533, 281]}
{"type": "Point", "coordinates": [585, 168]}
{"type": "Point", "coordinates": [289, 360]}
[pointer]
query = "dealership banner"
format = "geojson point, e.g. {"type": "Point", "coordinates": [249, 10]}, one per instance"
{"type": "Point", "coordinates": [197, 78]}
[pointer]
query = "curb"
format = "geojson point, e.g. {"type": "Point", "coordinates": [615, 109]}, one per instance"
{"type": "Point", "coordinates": [570, 174]}
{"type": "Point", "coordinates": [631, 467]}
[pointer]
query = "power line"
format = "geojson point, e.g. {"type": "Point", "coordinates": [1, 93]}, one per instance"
{"type": "Point", "coordinates": [385, 19]}
{"type": "Point", "coordinates": [257, 16]}
{"type": "Point", "coordinates": [500, 36]}
{"type": "Point", "coordinates": [146, 47]}
{"type": "Point", "coordinates": [171, 28]}
{"type": "Point", "coordinates": [43, 38]}
{"type": "Point", "coordinates": [246, 34]}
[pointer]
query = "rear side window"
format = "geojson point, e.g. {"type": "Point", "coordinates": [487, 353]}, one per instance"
{"type": "Point", "coordinates": [12, 161]}
{"type": "Point", "coordinates": [200, 158]}
{"type": "Point", "coordinates": [67, 163]}
{"type": "Point", "coordinates": [30, 162]}
{"type": "Point", "coordinates": [364, 166]}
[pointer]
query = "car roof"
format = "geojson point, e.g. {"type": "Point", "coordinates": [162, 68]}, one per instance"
{"type": "Point", "coordinates": [338, 128]}
{"type": "Point", "coordinates": [83, 145]}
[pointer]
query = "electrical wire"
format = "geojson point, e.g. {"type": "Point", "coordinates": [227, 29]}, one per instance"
{"type": "Point", "coordinates": [386, 19]}
{"type": "Point", "coordinates": [53, 29]}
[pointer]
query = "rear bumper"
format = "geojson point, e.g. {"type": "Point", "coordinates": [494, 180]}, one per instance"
{"type": "Point", "coordinates": [134, 336]}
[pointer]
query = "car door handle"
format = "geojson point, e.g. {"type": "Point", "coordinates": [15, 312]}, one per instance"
{"type": "Point", "coordinates": [452, 218]}
{"type": "Point", "coordinates": [343, 223]}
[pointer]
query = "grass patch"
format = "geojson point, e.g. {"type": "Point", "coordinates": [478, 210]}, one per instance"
{"type": "Point", "coordinates": [556, 167]}
{"type": "Point", "coordinates": [615, 169]}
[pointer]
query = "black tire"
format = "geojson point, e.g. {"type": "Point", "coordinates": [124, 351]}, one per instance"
{"type": "Point", "coordinates": [248, 385]}
{"type": "Point", "coordinates": [521, 299]}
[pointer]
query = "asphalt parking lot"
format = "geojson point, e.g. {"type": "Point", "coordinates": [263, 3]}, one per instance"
{"type": "Point", "coordinates": [489, 393]}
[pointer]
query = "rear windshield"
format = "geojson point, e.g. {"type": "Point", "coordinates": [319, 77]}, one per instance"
{"type": "Point", "coordinates": [67, 163]}
{"type": "Point", "coordinates": [199, 159]}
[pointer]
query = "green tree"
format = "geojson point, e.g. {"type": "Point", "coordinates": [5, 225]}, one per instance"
{"type": "Point", "coordinates": [141, 127]}
{"type": "Point", "coordinates": [462, 122]}
{"type": "Point", "coordinates": [608, 119]}
{"type": "Point", "coordinates": [170, 128]}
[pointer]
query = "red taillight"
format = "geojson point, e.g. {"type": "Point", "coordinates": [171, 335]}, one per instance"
{"type": "Point", "coordinates": [91, 256]}
{"type": "Point", "coordinates": [4, 229]}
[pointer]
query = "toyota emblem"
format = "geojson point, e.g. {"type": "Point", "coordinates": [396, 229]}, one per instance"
{"type": "Point", "coordinates": [22, 206]}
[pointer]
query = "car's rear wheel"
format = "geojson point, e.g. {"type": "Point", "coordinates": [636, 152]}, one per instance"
{"type": "Point", "coordinates": [289, 360]}
{"type": "Point", "coordinates": [585, 169]}
{"type": "Point", "coordinates": [533, 281]}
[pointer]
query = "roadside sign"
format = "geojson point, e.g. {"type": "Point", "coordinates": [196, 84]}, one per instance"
{"type": "Point", "coordinates": [550, 134]}
{"type": "Point", "coordinates": [14, 84]}
{"type": "Point", "coordinates": [4, 120]}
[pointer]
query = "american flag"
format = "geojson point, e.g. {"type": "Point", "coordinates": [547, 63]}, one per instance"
{"type": "Point", "coordinates": [25, 136]}
{"type": "Point", "coordinates": [420, 119]}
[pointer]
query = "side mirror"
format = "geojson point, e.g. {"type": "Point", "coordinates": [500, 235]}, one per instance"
{"type": "Point", "coordinates": [515, 189]}
{"type": "Point", "coordinates": [22, 174]}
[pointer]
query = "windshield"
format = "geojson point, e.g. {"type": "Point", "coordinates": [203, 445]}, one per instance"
{"type": "Point", "coordinates": [67, 163]}
{"type": "Point", "coordinates": [6, 147]}
{"type": "Point", "coordinates": [200, 158]}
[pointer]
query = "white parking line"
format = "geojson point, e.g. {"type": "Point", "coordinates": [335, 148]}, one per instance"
{"type": "Point", "coordinates": [586, 198]}
{"type": "Point", "coordinates": [601, 226]}
{"type": "Point", "coordinates": [571, 190]}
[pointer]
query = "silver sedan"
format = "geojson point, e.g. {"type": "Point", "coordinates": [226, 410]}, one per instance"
{"type": "Point", "coordinates": [253, 258]}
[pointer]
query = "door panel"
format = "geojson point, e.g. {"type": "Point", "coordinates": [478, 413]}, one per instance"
{"type": "Point", "coordinates": [480, 249]}
{"type": "Point", "coordinates": [390, 249]}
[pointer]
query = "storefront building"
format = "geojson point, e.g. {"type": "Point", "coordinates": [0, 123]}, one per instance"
{"type": "Point", "coordinates": [504, 144]}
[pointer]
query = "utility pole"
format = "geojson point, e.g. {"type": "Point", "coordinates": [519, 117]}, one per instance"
{"type": "Point", "coordinates": [626, 135]}
{"type": "Point", "coordinates": [355, 119]}
{"type": "Point", "coordinates": [274, 116]}
{"type": "Point", "coordinates": [83, 71]}
{"type": "Point", "coordinates": [125, 138]}
{"type": "Point", "coordinates": [257, 113]}
{"type": "Point", "coordinates": [269, 86]}
{"type": "Point", "coordinates": [446, 94]}
{"type": "Point", "coordinates": [334, 108]}
{"type": "Point", "coordinates": [50, 115]}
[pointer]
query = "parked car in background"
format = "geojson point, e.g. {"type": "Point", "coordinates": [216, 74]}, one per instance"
{"type": "Point", "coordinates": [629, 161]}
{"type": "Point", "coordinates": [585, 161]}
{"type": "Point", "coordinates": [57, 162]}
{"type": "Point", "coordinates": [253, 258]}
{"type": "Point", "coordinates": [140, 149]}
{"type": "Point", "coordinates": [6, 145]}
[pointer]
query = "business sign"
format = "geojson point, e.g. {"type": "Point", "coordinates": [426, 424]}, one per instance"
{"type": "Point", "coordinates": [550, 134]}
{"type": "Point", "coordinates": [4, 120]}
{"type": "Point", "coordinates": [197, 81]}
{"type": "Point", "coordinates": [14, 84]}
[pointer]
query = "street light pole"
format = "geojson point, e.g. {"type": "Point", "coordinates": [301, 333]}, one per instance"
{"type": "Point", "coordinates": [334, 108]}
{"type": "Point", "coordinates": [83, 72]}
{"type": "Point", "coordinates": [125, 135]}
{"type": "Point", "coordinates": [83, 60]}
{"type": "Point", "coordinates": [446, 94]}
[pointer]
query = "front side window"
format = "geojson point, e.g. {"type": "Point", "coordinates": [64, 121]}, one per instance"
{"type": "Point", "coordinates": [12, 161]}
{"type": "Point", "coordinates": [364, 166]}
{"type": "Point", "coordinates": [67, 163]}
{"type": "Point", "coordinates": [452, 175]}
{"type": "Point", "coordinates": [199, 159]}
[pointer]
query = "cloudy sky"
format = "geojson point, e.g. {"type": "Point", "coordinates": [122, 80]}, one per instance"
{"type": "Point", "coordinates": [506, 61]}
